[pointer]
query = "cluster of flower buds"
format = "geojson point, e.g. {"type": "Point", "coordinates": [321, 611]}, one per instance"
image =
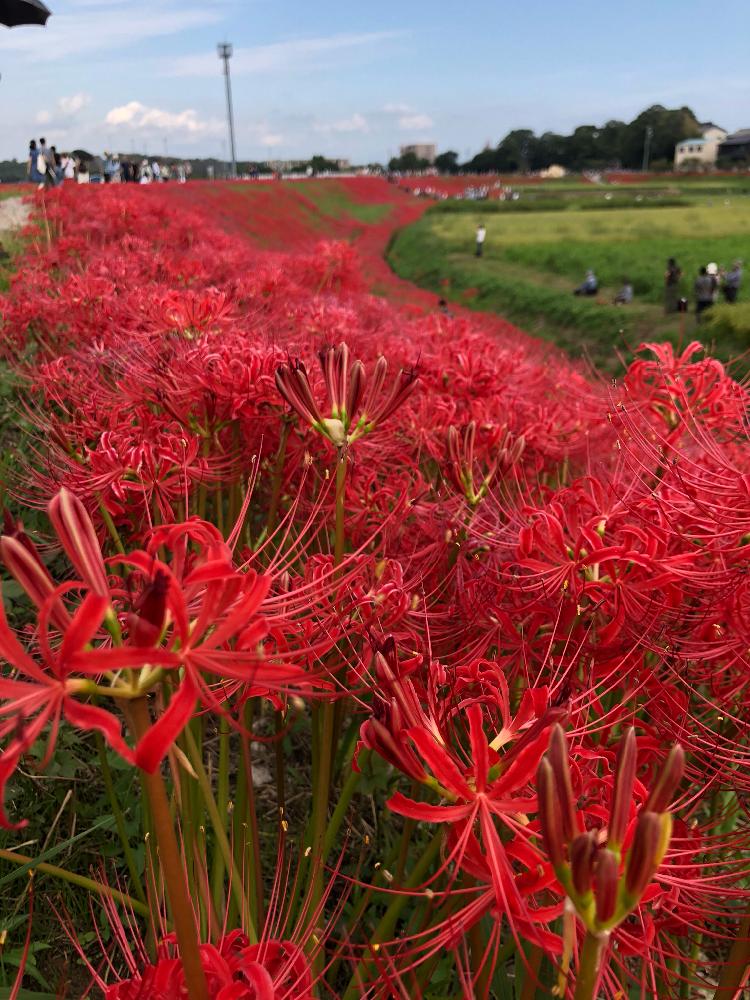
{"type": "Point", "coordinates": [589, 864]}
{"type": "Point", "coordinates": [461, 453]}
{"type": "Point", "coordinates": [356, 405]}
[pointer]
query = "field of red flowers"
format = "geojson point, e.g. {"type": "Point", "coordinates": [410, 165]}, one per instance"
{"type": "Point", "coordinates": [421, 657]}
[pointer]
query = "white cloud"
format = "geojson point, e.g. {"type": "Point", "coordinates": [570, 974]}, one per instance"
{"type": "Point", "coordinates": [43, 118]}
{"type": "Point", "coordinates": [139, 116]}
{"type": "Point", "coordinates": [292, 55]}
{"type": "Point", "coordinates": [397, 109]}
{"type": "Point", "coordinates": [356, 123]}
{"type": "Point", "coordinates": [271, 139]}
{"type": "Point", "coordinates": [71, 105]}
{"type": "Point", "coordinates": [416, 123]}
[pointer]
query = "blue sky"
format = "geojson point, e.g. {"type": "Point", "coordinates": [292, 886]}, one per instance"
{"type": "Point", "coordinates": [359, 79]}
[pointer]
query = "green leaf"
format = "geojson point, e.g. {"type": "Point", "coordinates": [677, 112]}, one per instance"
{"type": "Point", "coordinates": [107, 822]}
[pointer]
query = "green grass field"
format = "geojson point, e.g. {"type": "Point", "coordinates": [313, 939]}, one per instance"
{"type": "Point", "coordinates": [533, 259]}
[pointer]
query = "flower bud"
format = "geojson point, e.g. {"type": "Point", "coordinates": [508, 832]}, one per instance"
{"type": "Point", "coordinates": [623, 790]}
{"type": "Point", "coordinates": [558, 758]}
{"type": "Point", "coordinates": [26, 567]}
{"type": "Point", "coordinates": [582, 853]}
{"type": "Point", "coordinates": [648, 848]}
{"type": "Point", "coordinates": [77, 536]}
{"type": "Point", "coordinates": [607, 878]}
{"type": "Point", "coordinates": [666, 784]}
{"type": "Point", "coordinates": [549, 814]}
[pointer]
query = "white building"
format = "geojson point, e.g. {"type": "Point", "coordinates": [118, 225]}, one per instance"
{"type": "Point", "coordinates": [702, 150]}
{"type": "Point", "coordinates": [422, 150]}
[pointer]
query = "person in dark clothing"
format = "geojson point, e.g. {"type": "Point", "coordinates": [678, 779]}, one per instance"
{"type": "Point", "coordinates": [732, 281]}
{"type": "Point", "coordinates": [704, 292]}
{"type": "Point", "coordinates": [590, 285]}
{"type": "Point", "coordinates": [672, 277]}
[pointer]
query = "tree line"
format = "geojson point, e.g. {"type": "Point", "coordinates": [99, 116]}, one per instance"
{"type": "Point", "coordinates": [616, 144]}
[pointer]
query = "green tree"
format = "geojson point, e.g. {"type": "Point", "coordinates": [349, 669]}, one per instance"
{"type": "Point", "coordinates": [321, 165]}
{"type": "Point", "coordinates": [408, 163]}
{"type": "Point", "coordinates": [447, 163]}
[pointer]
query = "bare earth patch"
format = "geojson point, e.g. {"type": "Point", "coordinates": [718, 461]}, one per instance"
{"type": "Point", "coordinates": [13, 214]}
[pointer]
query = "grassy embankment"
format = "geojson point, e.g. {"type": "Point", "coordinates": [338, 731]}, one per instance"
{"type": "Point", "coordinates": [539, 248]}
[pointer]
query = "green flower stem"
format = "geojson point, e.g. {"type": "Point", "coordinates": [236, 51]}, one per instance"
{"type": "Point", "coordinates": [222, 803]}
{"type": "Point", "coordinates": [589, 967]}
{"type": "Point", "coordinates": [90, 884]}
{"type": "Point", "coordinates": [337, 818]}
{"type": "Point", "coordinates": [277, 480]}
{"type": "Point", "coordinates": [237, 887]}
{"type": "Point", "coordinates": [135, 875]}
{"type": "Point", "coordinates": [171, 866]}
{"type": "Point", "coordinates": [735, 969]}
{"type": "Point", "coordinates": [384, 930]}
{"type": "Point", "coordinates": [324, 718]}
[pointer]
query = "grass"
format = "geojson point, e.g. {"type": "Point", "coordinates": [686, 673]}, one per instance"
{"type": "Point", "coordinates": [533, 260]}
{"type": "Point", "coordinates": [333, 199]}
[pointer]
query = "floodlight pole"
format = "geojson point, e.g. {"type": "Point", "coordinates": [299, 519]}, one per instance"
{"type": "Point", "coordinates": [647, 146]}
{"type": "Point", "coordinates": [225, 53]}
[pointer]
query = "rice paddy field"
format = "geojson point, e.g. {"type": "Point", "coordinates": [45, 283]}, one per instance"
{"type": "Point", "coordinates": [539, 247]}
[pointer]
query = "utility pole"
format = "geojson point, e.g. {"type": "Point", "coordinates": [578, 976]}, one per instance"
{"type": "Point", "coordinates": [225, 53]}
{"type": "Point", "coordinates": [647, 146]}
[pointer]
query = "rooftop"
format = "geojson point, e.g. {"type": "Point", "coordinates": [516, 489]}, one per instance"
{"type": "Point", "coordinates": [707, 125]}
{"type": "Point", "coordinates": [692, 142]}
{"type": "Point", "coordinates": [737, 138]}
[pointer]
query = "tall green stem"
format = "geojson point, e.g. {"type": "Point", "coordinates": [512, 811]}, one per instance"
{"type": "Point", "coordinates": [324, 722]}
{"type": "Point", "coordinates": [735, 969]}
{"type": "Point", "coordinates": [171, 865]}
{"type": "Point", "coordinates": [590, 966]}
{"type": "Point", "coordinates": [220, 833]}
{"type": "Point", "coordinates": [387, 923]}
{"type": "Point", "coordinates": [114, 805]}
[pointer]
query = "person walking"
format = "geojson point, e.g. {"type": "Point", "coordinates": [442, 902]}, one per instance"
{"type": "Point", "coordinates": [672, 277]}
{"type": "Point", "coordinates": [704, 292]}
{"type": "Point", "coordinates": [732, 282]}
{"type": "Point", "coordinates": [35, 160]}
{"type": "Point", "coordinates": [481, 237]}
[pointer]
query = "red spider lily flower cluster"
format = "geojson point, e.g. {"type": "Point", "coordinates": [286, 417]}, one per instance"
{"type": "Point", "coordinates": [521, 545]}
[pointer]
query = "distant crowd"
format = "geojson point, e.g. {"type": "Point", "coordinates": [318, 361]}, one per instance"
{"type": "Point", "coordinates": [48, 168]}
{"type": "Point", "coordinates": [711, 283]}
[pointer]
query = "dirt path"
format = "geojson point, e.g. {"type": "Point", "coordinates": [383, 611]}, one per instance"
{"type": "Point", "coordinates": [13, 214]}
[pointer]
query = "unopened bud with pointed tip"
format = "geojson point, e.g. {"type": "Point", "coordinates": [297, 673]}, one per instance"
{"type": "Point", "coordinates": [582, 852]}
{"type": "Point", "coordinates": [77, 536]}
{"type": "Point", "coordinates": [662, 793]}
{"type": "Point", "coordinates": [549, 814]}
{"type": "Point", "coordinates": [622, 794]}
{"type": "Point", "coordinates": [558, 758]}
{"type": "Point", "coordinates": [607, 878]}
{"type": "Point", "coordinates": [649, 846]}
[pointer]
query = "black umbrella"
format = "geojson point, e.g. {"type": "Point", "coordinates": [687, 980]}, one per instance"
{"type": "Point", "coordinates": [15, 12]}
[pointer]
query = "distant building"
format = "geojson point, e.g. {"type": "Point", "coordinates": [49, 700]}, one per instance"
{"type": "Point", "coordinates": [736, 147]}
{"type": "Point", "coordinates": [700, 151]}
{"type": "Point", "coordinates": [422, 150]}
{"type": "Point", "coordinates": [344, 164]}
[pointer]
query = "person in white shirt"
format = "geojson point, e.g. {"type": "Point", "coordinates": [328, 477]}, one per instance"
{"type": "Point", "coordinates": [481, 237]}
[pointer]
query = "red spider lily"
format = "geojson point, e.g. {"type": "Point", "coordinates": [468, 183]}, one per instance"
{"type": "Point", "coordinates": [236, 970]}
{"type": "Point", "coordinates": [43, 693]}
{"type": "Point", "coordinates": [349, 394]}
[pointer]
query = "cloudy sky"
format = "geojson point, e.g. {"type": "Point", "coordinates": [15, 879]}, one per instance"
{"type": "Point", "coordinates": [358, 79]}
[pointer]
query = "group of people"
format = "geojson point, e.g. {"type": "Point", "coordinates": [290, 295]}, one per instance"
{"type": "Point", "coordinates": [124, 171]}
{"type": "Point", "coordinates": [711, 282]}
{"type": "Point", "coordinates": [48, 168]}
{"type": "Point", "coordinates": [590, 286]}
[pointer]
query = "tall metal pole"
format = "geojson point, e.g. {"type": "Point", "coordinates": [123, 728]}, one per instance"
{"type": "Point", "coordinates": [225, 53]}
{"type": "Point", "coordinates": [647, 147]}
